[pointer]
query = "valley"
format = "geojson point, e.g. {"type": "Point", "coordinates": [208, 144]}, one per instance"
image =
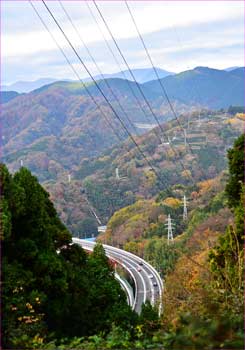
{"type": "Point", "coordinates": [59, 134]}
{"type": "Point", "coordinates": [122, 175]}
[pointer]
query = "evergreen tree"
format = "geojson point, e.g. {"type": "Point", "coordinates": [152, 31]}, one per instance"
{"type": "Point", "coordinates": [236, 172]}
{"type": "Point", "coordinates": [50, 287]}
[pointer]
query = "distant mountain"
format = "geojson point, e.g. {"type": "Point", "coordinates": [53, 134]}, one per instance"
{"type": "Point", "coordinates": [56, 126]}
{"type": "Point", "coordinates": [27, 86]}
{"type": "Point", "coordinates": [141, 75]}
{"type": "Point", "coordinates": [211, 88]}
{"type": "Point", "coordinates": [231, 68]}
{"type": "Point", "coordinates": [57, 130]}
{"type": "Point", "coordinates": [238, 71]}
{"type": "Point", "coordinates": [6, 96]}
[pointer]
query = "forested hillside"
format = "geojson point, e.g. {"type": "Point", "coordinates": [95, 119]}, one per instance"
{"type": "Point", "coordinates": [51, 289]}
{"type": "Point", "coordinates": [208, 136]}
{"type": "Point", "coordinates": [96, 180]}
{"type": "Point", "coordinates": [7, 96]}
{"type": "Point", "coordinates": [209, 87]}
{"type": "Point", "coordinates": [122, 175]}
{"type": "Point", "coordinates": [57, 297]}
{"type": "Point", "coordinates": [60, 118]}
{"type": "Point", "coordinates": [58, 134]}
{"type": "Point", "coordinates": [203, 267]}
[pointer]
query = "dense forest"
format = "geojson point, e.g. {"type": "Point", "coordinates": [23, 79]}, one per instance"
{"type": "Point", "coordinates": [55, 296]}
{"type": "Point", "coordinates": [95, 180]}
{"type": "Point", "coordinates": [51, 288]}
{"type": "Point", "coordinates": [209, 134]}
{"type": "Point", "coordinates": [56, 132]}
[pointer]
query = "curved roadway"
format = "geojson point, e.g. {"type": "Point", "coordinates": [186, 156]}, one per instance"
{"type": "Point", "coordinates": [148, 283]}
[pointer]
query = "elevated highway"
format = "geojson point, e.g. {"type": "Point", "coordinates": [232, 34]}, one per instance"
{"type": "Point", "coordinates": [148, 283]}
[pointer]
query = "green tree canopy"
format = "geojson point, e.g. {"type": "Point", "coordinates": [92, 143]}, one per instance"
{"type": "Point", "coordinates": [236, 172]}
{"type": "Point", "coordinates": [50, 287]}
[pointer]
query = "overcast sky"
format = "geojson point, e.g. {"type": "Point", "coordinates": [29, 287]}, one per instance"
{"type": "Point", "coordinates": [180, 35]}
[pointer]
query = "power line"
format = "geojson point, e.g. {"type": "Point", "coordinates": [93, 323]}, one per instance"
{"type": "Point", "coordinates": [129, 69]}
{"type": "Point", "coordinates": [92, 58]}
{"type": "Point", "coordinates": [139, 88]}
{"type": "Point", "coordinates": [155, 71]}
{"type": "Point", "coordinates": [102, 93]}
{"type": "Point", "coordinates": [113, 55]}
{"type": "Point", "coordinates": [118, 64]}
{"type": "Point", "coordinates": [97, 67]}
{"type": "Point", "coordinates": [75, 72]}
{"type": "Point", "coordinates": [157, 75]}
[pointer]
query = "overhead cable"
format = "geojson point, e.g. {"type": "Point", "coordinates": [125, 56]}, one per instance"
{"type": "Point", "coordinates": [157, 75]}
{"type": "Point", "coordinates": [102, 93]}
{"type": "Point", "coordinates": [76, 74]}
{"type": "Point", "coordinates": [97, 67]}
{"type": "Point", "coordinates": [139, 88]}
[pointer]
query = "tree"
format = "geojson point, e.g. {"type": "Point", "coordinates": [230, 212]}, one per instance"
{"type": "Point", "coordinates": [50, 287]}
{"type": "Point", "coordinates": [149, 318]}
{"type": "Point", "coordinates": [236, 172]}
{"type": "Point", "coordinates": [88, 227]}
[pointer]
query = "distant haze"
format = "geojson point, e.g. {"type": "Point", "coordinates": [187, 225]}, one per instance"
{"type": "Point", "coordinates": [142, 75]}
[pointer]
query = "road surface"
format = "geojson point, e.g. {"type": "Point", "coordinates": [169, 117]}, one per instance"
{"type": "Point", "coordinates": [148, 283]}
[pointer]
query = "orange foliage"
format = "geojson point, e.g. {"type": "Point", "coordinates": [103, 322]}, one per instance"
{"type": "Point", "coordinates": [205, 186]}
{"type": "Point", "coordinates": [185, 287]}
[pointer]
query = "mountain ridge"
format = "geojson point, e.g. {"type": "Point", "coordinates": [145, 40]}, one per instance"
{"type": "Point", "coordinates": [60, 116]}
{"type": "Point", "coordinates": [142, 75]}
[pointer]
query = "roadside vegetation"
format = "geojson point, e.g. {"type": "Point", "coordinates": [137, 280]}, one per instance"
{"type": "Point", "coordinates": [55, 296]}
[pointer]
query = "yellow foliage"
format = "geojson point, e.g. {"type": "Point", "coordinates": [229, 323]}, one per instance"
{"type": "Point", "coordinates": [153, 225]}
{"type": "Point", "coordinates": [205, 185]}
{"type": "Point", "coordinates": [29, 306]}
{"type": "Point", "coordinates": [171, 154]}
{"type": "Point", "coordinates": [131, 247]}
{"type": "Point", "coordinates": [186, 173]}
{"type": "Point", "coordinates": [151, 178]}
{"type": "Point", "coordinates": [37, 339]}
{"type": "Point", "coordinates": [231, 121]}
{"type": "Point", "coordinates": [104, 159]}
{"type": "Point", "coordinates": [172, 202]}
{"type": "Point", "coordinates": [240, 116]}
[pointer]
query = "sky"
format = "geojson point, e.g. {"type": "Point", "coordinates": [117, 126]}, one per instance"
{"type": "Point", "coordinates": [179, 35]}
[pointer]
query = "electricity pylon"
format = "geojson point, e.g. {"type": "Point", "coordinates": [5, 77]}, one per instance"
{"type": "Point", "coordinates": [170, 225]}
{"type": "Point", "coordinates": [185, 209]}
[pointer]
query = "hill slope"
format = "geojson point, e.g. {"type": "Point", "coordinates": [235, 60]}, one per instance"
{"type": "Point", "coordinates": [208, 87]}
{"type": "Point", "coordinates": [59, 119]}
{"type": "Point", "coordinates": [120, 176]}
{"type": "Point", "coordinates": [142, 75]}
{"type": "Point", "coordinates": [7, 96]}
{"type": "Point", "coordinates": [27, 86]}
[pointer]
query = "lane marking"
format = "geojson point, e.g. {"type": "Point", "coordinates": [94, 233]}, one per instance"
{"type": "Point", "coordinates": [133, 259]}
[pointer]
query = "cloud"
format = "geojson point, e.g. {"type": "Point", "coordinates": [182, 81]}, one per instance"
{"type": "Point", "coordinates": [171, 29]}
{"type": "Point", "coordinates": [151, 16]}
